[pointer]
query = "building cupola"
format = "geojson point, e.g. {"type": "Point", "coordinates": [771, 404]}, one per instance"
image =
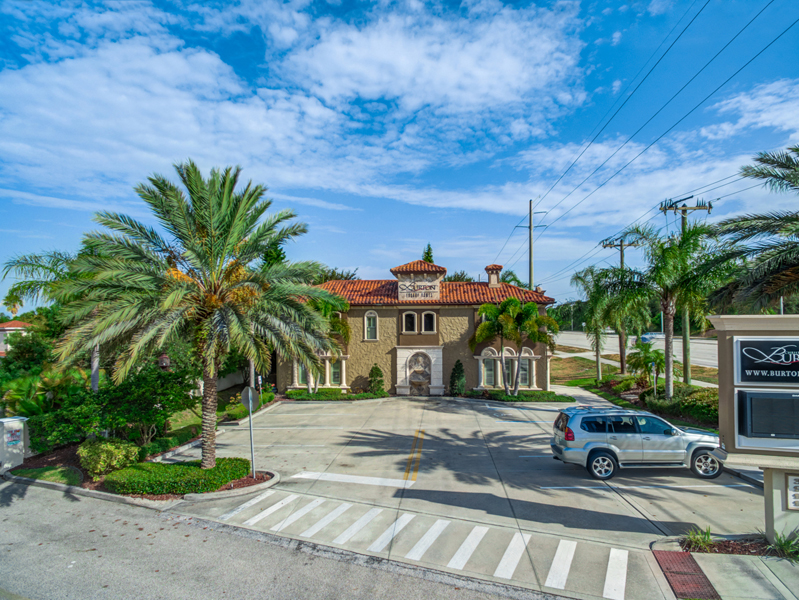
{"type": "Point", "coordinates": [493, 275]}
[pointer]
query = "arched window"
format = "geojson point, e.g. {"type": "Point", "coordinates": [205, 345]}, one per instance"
{"type": "Point", "coordinates": [429, 322]}
{"type": "Point", "coordinates": [409, 322]}
{"type": "Point", "coordinates": [370, 325]}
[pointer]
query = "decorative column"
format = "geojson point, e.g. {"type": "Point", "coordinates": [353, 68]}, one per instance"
{"type": "Point", "coordinates": [480, 382]}
{"type": "Point", "coordinates": [343, 372]}
{"type": "Point", "coordinates": [327, 373]}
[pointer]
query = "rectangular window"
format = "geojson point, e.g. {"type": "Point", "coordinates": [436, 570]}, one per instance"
{"type": "Point", "coordinates": [371, 328]}
{"type": "Point", "coordinates": [409, 322]}
{"type": "Point", "coordinates": [429, 323]}
{"type": "Point", "coordinates": [509, 372]}
{"type": "Point", "coordinates": [489, 368]}
{"type": "Point", "coordinates": [335, 373]}
{"type": "Point", "coordinates": [524, 375]}
{"type": "Point", "coordinates": [302, 376]}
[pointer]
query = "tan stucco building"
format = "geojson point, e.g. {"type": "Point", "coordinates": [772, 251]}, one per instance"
{"type": "Point", "coordinates": [415, 327]}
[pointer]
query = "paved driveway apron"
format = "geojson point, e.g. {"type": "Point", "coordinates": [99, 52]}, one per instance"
{"type": "Point", "coordinates": [470, 487]}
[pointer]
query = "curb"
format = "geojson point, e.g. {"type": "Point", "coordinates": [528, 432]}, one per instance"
{"type": "Point", "coordinates": [747, 478]}
{"type": "Point", "coordinates": [181, 449]}
{"type": "Point", "coordinates": [79, 491]}
{"type": "Point", "coordinates": [246, 420]}
{"type": "Point", "coordinates": [237, 492]}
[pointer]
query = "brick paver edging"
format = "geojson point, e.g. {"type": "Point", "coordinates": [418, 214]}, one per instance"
{"type": "Point", "coordinates": [685, 576]}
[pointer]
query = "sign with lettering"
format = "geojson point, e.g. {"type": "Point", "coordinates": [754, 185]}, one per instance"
{"type": "Point", "coordinates": [792, 490]}
{"type": "Point", "coordinates": [419, 287]}
{"type": "Point", "coordinates": [771, 361]}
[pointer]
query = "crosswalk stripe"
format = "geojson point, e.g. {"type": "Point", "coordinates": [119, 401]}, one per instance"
{"type": "Point", "coordinates": [559, 571]}
{"type": "Point", "coordinates": [427, 540]}
{"type": "Point", "coordinates": [270, 510]}
{"type": "Point", "coordinates": [292, 518]}
{"type": "Point", "coordinates": [357, 526]}
{"type": "Point", "coordinates": [389, 534]}
{"type": "Point", "coordinates": [469, 545]}
{"type": "Point", "coordinates": [360, 479]}
{"type": "Point", "coordinates": [246, 505]}
{"type": "Point", "coordinates": [616, 576]}
{"type": "Point", "coordinates": [512, 555]}
{"type": "Point", "coordinates": [326, 520]}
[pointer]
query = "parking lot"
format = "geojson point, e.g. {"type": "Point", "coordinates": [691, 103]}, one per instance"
{"type": "Point", "coordinates": [470, 487]}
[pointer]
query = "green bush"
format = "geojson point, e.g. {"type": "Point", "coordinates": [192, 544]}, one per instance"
{"type": "Point", "coordinates": [625, 385]}
{"type": "Point", "coordinates": [457, 381]}
{"type": "Point", "coordinates": [524, 396]}
{"type": "Point", "coordinates": [335, 393]}
{"type": "Point", "coordinates": [80, 415]}
{"type": "Point", "coordinates": [100, 457]}
{"type": "Point", "coordinates": [702, 405]}
{"type": "Point", "coordinates": [237, 411]}
{"type": "Point", "coordinates": [376, 384]}
{"type": "Point", "coordinates": [176, 478]}
{"type": "Point", "coordinates": [162, 444]}
{"type": "Point", "coordinates": [303, 395]}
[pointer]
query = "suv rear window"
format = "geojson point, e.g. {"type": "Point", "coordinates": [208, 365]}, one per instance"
{"type": "Point", "coordinates": [561, 422]}
{"type": "Point", "coordinates": [593, 424]}
{"type": "Point", "coordinates": [622, 424]}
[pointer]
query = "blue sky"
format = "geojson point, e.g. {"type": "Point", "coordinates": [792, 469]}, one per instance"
{"type": "Point", "coordinates": [388, 125]}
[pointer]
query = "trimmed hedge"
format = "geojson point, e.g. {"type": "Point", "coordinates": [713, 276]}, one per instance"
{"type": "Point", "coordinates": [102, 456]}
{"type": "Point", "coordinates": [176, 478]}
{"type": "Point", "coordinates": [524, 396]}
{"type": "Point", "coordinates": [333, 394]}
{"type": "Point", "coordinates": [701, 404]}
{"type": "Point", "coordinates": [236, 411]}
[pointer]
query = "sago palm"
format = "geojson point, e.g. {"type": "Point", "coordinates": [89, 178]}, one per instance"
{"type": "Point", "coordinates": [203, 279]}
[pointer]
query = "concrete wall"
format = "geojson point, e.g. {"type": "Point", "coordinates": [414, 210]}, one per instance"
{"type": "Point", "coordinates": [365, 353]}
{"type": "Point", "coordinates": [456, 326]}
{"type": "Point", "coordinates": [230, 380]}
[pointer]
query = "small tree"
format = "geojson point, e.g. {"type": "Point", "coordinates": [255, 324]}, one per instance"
{"type": "Point", "coordinates": [427, 254]}
{"type": "Point", "coordinates": [376, 383]}
{"type": "Point", "coordinates": [642, 360]}
{"type": "Point", "coordinates": [457, 381]}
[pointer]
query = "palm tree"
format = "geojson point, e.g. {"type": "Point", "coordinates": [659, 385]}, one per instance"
{"type": "Point", "coordinates": [532, 326]}
{"type": "Point", "coordinates": [592, 282]}
{"type": "Point", "coordinates": [497, 321]}
{"type": "Point", "coordinates": [206, 281]}
{"type": "Point", "coordinates": [670, 277]}
{"type": "Point", "coordinates": [643, 358]}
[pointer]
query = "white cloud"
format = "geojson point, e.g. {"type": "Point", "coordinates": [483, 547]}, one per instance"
{"type": "Point", "coordinates": [616, 86]}
{"type": "Point", "coordinates": [616, 38]}
{"type": "Point", "coordinates": [658, 7]}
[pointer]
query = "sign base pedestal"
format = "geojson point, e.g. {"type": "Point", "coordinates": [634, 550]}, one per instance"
{"type": "Point", "coordinates": [781, 494]}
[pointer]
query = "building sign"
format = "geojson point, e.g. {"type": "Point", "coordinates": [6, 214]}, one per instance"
{"type": "Point", "coordinates": [792, 490]}
{"type": "Point", "coordinates": [772, 361]}
{"type": "Point", "coordinates": [419, 287]}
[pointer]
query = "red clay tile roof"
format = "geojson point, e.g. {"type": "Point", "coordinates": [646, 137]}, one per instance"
{"type": "Point", "coordinates": [494, 268]}
{"type": "Point", "coordinates": [14, 325]}
{"type": "Point", "coordinates": [380, 292]}
{"type": "Point", "coordinates": [418, 266]}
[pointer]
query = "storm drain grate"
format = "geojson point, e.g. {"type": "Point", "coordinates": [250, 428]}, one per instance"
{"type": "Point", "coordinates": [684, 575]}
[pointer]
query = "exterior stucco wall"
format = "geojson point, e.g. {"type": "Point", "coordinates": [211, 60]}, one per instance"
{"type": "Point", "coordinates": [456, 326]}
{"type": "Point", "coordinates": [364, 353]}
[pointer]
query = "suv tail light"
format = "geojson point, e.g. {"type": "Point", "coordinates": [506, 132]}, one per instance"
{"type": "Point", "coordinates": [569, 435]}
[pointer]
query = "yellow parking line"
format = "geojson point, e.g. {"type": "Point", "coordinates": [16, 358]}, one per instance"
{"type": "Point", "coordinates": [418, 455]}
{"type": "Point", "coordinates": [411, 455]}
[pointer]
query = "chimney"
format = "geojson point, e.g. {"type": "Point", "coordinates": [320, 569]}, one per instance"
{"type": "Point", "coordinates": [493, 275]}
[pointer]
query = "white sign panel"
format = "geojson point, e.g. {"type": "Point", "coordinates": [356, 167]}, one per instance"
{"type": "Point", "coordinates": [793, 492]}
{"type": "Point", "coordinates": [419, 287]}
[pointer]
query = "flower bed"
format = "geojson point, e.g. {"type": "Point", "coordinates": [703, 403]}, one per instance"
{"type": "Point", "coordinates": [176, 478]}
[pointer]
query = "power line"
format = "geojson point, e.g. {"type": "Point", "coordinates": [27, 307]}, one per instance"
{"type": "Point", "coordinates": [669, 101]}
{"type": "Point", "coordinates": [685, 116]}
{"type": "Point", "coordinates": [627, 99]}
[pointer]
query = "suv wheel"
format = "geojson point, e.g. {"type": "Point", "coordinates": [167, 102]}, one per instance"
{"type": "Point", "coordinates": [602, 465]}
{"type": "Point", "coordinates": [705, 465]}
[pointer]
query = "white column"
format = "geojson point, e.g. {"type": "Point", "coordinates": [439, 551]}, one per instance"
{"type": "Point", "coordinates": [343, 372]}
{"type": "Point", "coordinates": [480, 382]}
{"type": "Point", "coordinates": [327, 372]}
{"type": "Point", "coordinates": [294, 374]}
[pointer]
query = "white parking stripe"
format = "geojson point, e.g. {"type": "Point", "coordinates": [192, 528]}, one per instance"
{"type": "Point", "coordinates": [295, 428]}
{"type": "Point", "coordinates": [325, 521]}
{"type": "Point", "coordinates": [270, 510]}
{"type": "Point", "coordinates": [616, 576]}
{"type": "Point", "coordinates": [295, 516]}
{"type": "Point", "coordinates": [357, 526]}
{"type": "Point", "coordinates": [467, 548]}
{"type": "Point", "coordinates": [513, 554]}
{"type": "Point", "coordinates": [382, 481]}
{"type": "Point", "coordinates": [246, 505]}
{"type": "Point", "coordinates": [642, 487]}
{"type": "Point", "coordinates": [389, 534]}
{"type": "Point", "coordinates": [559, 571]}
{"type": "Point", "coordinates": [427, 540]}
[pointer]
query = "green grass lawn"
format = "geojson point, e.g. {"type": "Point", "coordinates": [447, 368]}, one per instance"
{"type": "Point", "coordinates": [706, 374]}
{"type": "Point", "coordinates": [564, 370]}
{"type": "Point", "coordinates": [56, 474]}
{"type": "Point", "coordinates": [571, 349]}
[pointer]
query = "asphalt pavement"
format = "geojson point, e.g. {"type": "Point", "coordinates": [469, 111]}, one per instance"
{"type": "Point", "coordinates": [704, 352]}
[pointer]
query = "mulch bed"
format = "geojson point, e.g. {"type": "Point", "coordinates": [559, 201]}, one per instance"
{"type": "Point", "coordinates": [68, 457]}
{"type": "Point", "coordinates": [756, 546]}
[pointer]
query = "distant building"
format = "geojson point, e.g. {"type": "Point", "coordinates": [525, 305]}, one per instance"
{"type": "Point", "coordinates": [415, 327]}
{"type": "Point", "coordinates": [7, 328]}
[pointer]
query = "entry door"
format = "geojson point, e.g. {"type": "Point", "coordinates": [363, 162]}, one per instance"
{"type": "Point", "coordinates": [624, 435]}
{"type": "Point", "coordinates": [659, 444]}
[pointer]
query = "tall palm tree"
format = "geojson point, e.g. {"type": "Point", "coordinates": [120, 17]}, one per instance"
{"type": "Point", "coordinates": [671, 277]}
{"type": "Point", "coordinates": [532, 326]}
{"type": "Point", "coordinates": [497, 321]}
{"type": "Point", "coordinates": [765, 247]}
{"type": "Point", "coordinates": [205, 280]}
{"type": "Point", "coordinates": [593, 284]}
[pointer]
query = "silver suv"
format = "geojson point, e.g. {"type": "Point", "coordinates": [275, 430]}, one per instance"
{"type": "Point", "coordinates": [603, 440]}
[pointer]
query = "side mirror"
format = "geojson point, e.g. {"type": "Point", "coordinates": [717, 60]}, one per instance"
{"type": "Point", "coordinates": [672, 432]}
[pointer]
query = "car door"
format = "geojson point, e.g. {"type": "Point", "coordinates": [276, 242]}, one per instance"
{"type": "Point", "coordinates": [624, 436]}
{"type": "Point", "coordinates": [593, 430]}
{"type": "Point", "coordinates": [659, 444]}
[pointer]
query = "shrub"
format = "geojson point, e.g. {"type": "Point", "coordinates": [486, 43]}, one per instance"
{"type": "Point", "coordinates": [376, 384]}
{"type": "Point", "coordinates": [625, 385]}
{"type": "Point", "coordinates": [323, 393]}
{"type": "Point", "coordinates": [100, 457]}
{"type": "Point", "coordinates": [176, 478]}
{"type": "Point", "coordinates": [237, 411]}
{"type": "Point", "coordinates": [303, 395]}
{"type": "Point", "coordinates": [174, 439]}
{"type": "Point", "coordinates": [524, 396]}
{"type": "Point", "coordinates": [457, 381]}
{"type": "Point", "coordinates": [80, 416]}
{"type": "Point", "coordinates": [702, 405]}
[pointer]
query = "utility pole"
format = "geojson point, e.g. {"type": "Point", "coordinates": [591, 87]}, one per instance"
{"type": "Point", "coordinates": [674, 206]}
{"type": "Point", "coordinates": [530, 228]}
{"type": "Point", "coordinates": [620, 243]}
